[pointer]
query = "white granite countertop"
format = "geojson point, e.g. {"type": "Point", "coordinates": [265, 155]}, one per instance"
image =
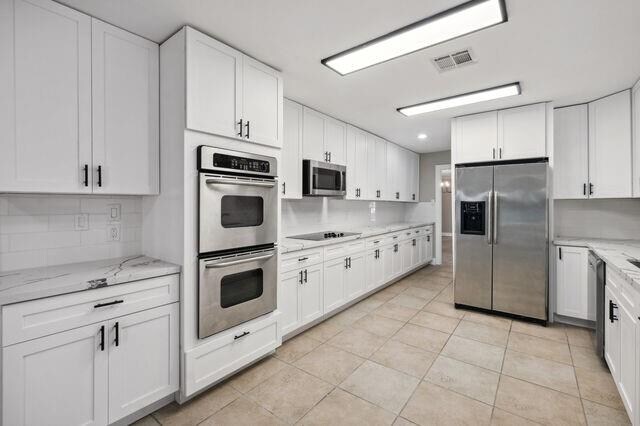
{"type": "Point", "coordinates": [615, 253]}
{"type": "Point", "coordinates": [35, 283]}
{"type": "Point", "coordinates": [290, 245]}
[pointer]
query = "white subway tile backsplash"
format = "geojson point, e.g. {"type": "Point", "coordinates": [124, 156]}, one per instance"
{"type": "Point", "coordinates": [611, 218]}
{"type": "Point", "coordinates": [43, 240]}
{"type": "Point", "coordinates": [4, 206]}
{"type": "Point", "coordinates": [62, 222]}
{"type": "Point", "coordinates": [4, 243]}
{"type": "Point", "coordinates": [78, 254]}
{"type": "Point", "coordinates": [22, 260]}
{"type": "Point", "coordinates": [23, 224]}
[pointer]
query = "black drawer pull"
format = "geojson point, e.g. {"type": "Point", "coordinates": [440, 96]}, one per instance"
{"type": "Point", "coordinates": [239, 336]}
{"type": "Point", "coordinates": [117, 330]}
{"type": "Point", "coordinates": [303, 259]}
{"type": "Point", "coordinates": [102, 338]}
{"type": "Point", "coordinates": [102, 305]}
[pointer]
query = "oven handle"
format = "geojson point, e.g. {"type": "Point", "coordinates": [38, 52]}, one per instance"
{"type": "Point", "coordinates": [224, 264]}
{"type": "Point", "coordinates": [225, 181]}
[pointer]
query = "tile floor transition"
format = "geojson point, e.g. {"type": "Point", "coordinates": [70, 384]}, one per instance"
{"type": "Point", "coordinates": [406, 356]}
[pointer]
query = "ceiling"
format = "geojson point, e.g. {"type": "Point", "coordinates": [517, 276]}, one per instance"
{"type": "Point", "coordinates": [567, 51]}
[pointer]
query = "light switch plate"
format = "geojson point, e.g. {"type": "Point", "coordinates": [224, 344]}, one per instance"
{"type": "Point", "coordinates": [113, 232]}
{"type": "Point", "coordinates": [115, 212]}
{"type": "Point", "coordinates": [82, 222]}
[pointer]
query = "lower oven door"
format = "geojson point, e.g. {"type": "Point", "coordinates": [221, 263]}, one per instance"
{"type": "Point", "coordinates": [236, 288]}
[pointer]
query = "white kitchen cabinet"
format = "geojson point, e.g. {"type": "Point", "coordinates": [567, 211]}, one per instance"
{"type": "Point", "coordinates": [475, 137]}
{"type": "Point", "coordinates": [571, 152]}
{"type": "Point", "coordinates": [414, 176]}
{"type": "Point", "coordinates": [311, 292]}
{"type": "Point", "coordinates": [629, 358]}
{"type": "Point", "coordinates": [611, 328]}
{"type": "Point", "coordinates": [291, 164]}
{"type": "Point", "coordinates": [288, 300]}
{"type": "Point", "coordinates": [336, 140]}
{"type": "Point", "coordinates": [45, 107]}
{"type": "Point", "coordinates": [377, 170]}
{"type": "Point", "coordinates": [522, 132]}
{"type": "Point", "coordinates": [323, 138]}
{"type": "Point", "coordinates": [60, 379]}
{"type": "Point", "coordinates": [406, 252]}
{"type": "Point", "coordinates": [334, 278]}
{"type": "Point", "coordinates": [392, 261]}
{"type": "Point", "coordinates": [125, 81]}
{"type": "Point", "coordinates": [357, 164]}
{"type": "Point", "coordinates": [635, 109]}
{"type": "Point", "coordinates": [572, 268]}
{"type": "Point", "coordinates": [300, 297]}
{"type": "Point", "coordinates": [395, 170]}
{"type": "Point", "coordinates": [610, 146]}
{"type": "Point", "coordinates": [355, 276]}
{"type": "Point", "coordinates": [375, 277]}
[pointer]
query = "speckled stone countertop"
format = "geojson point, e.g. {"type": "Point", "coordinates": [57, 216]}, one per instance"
{"type": "Point", "coordinates": [35, 283]}
{"type": "Point", "coordinates": [615, 253]}
{"type": "Point", "coordinates": [290, 245]}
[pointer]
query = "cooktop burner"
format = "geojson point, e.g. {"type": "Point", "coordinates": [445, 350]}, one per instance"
{"type": "Point", "coordinates": [319, 236]}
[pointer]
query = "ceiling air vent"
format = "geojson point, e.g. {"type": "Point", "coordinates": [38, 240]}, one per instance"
{"type": "Point", "coordinates": [453, 60]}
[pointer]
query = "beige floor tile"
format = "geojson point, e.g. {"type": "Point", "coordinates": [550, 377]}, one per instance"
{"type": "Point", "coordinates": [587, 358]}
{"type": "Point", "coordinates": [421, 292]}
{"type": "Point", "coordinates": [296, 348]}
{"type": "Point", "coordinates": [324, 331]}
{"type": "Point", "coordinates": [347, 317]}
{"type": "Point", "coordinates": [401, 421]}
{"type": "Point", "coordinates": [396, 312]}
{"type": "Point", "coordinates": [243, 412]}
{"type": "Point", "coordinates": [146, 421]}
{"type": "Point", "coordinates": [446, 295]}
{"type": "Point", "coordinates": [434, 405]}
{"type": "Point", "coordinates": [579, 336]}
{"type": "Point", "coordinates": [407, 359]}
{"type": "Point", "coordinates": [356, 341]}
{"type": "Point", "coordinates": [429, 284]}
{"type": "Point", "coordinates": [543, 348]}
{"type": "Point", "coordinates": [256, 374]}
{"type": "Point", "coordinates": [538, 403]}
{"type": "Point", "coordinates": [488, 319]}
{"type": "Point", "coordinates": [384, 297]}
{"type": "Point", "coordinates": [329, 363]}
{"type": "Point", "coordinates": [503, 418]}
{"type": "Point", "coordinates": [474, 352]}
{"type": "Point", "coordinates": [342, 408]}
{"type": "Point", "coordinates": [403, 284]}
{"type": "Point", "coordinates": [378, 325]}
{"type": "Point", "coordinates": [543, 372]}
{"type": "Point", "coordinates": [439, 279]}
{"type": "Point", "coordinates": [198, 409]}
{"type": "Point", "coordinates": [466, 379]}
{"type": "Point", "coordinates": [422, 337]}
{"type": "Point", "coordinates": [409, 301]}
{"type": "Point", "coordinates": [435, 321]}
{"type": "Point", "coordinates": [482, 333]}
{"type": "Point", "coordinates": [369, 304]}
{"type": "Point", "coordinates": [290, 394]}
{"type": "Point", "coordinates": [552, 331]}
{"type": "Point", "coordinates": [446, 309]}
{"type": "Point", "coordinates": [600, 415]}
{"type": "Point", "coordinates": [380, 385]}
{"type": "Point", "coordinates": [391, 290]}
{"type": "Point", "coordinates": [598, 386]}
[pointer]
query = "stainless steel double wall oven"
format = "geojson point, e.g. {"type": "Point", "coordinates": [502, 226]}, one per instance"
{"type": "Point", "coordinates": [238, 231]}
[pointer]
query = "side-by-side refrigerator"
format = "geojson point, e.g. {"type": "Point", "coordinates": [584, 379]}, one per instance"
{"type": "Point", "coordinates": [501, 244]}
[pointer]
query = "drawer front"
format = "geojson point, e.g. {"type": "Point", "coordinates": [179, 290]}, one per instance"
{"type": "Point", "coordinates": [355, 246]}
{"type": "Point", "coordinates": [377, 241]}
{"type": "Point", "coordinates": [629, 296]}
{"type": "Point", "coordinates": [37, 318]}
{"type": "Point", "coordinates": [335, 251]}
{"type": "Point", "coordinates": [231, 351]}
{"type": "Point", "coordinates": [407, 234]}
{"type": "Point", "coordinates": [301, 259]}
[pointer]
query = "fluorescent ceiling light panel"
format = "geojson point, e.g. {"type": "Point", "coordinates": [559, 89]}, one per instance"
{"type": "Point", "coordinates": [422, 136]}
{"type": "Point", "coordinates": [512, 89]}
{"type": "Point", "coordinates": [456, 22]}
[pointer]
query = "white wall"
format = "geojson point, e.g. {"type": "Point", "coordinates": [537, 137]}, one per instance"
{"type": "Point", "coordinates": [39, 230]}
{"type": "Point", "coordinates": [616, 218]}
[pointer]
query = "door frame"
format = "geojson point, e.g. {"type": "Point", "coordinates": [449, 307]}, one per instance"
{"type": "Point", "coordinates": [438, 207]}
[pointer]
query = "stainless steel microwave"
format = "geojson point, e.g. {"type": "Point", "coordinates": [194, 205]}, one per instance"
{"type": "Point", "coordinates": [323, 179]}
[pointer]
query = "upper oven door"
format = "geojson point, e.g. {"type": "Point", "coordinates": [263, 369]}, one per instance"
{"type": "Point", "coordinates": [324, 178]}
{"type": "Point", "coordinates": [237, 212]}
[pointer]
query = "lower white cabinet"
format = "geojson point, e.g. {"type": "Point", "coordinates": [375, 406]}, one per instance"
{"type": "Point", "coordinates": [355, 276]}
{"type": "Point", "coordinates": [574, 297]}
{"type": "Point", "coordinates": [375, 268]}
{"type": "Point", "coordinates": [300, 296]}
{"type": "Point", "coordinates": [334, 276]}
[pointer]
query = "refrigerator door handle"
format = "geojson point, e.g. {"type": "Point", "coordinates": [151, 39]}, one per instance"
{"type": "Point", "coordinates": [490, 218]}
{"type": "Point", "coordinates": [495, 217]}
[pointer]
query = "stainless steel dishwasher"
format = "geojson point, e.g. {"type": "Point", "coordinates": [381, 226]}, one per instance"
{"type": "Point", "coordinates": [597, 281]}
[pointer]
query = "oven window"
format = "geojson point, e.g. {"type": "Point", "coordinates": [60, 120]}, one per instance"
{"type": "Point", "coordinates": [241, 287]}
{"type": "Point", "coordinates": [326, 179]}
{"type": "Point", "coordinates": [241, 211]}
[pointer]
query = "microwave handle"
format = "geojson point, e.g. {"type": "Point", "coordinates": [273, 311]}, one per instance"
{"type": "Point", "coordinates": [343, 185]}
{"type": "Point", "coordinates": [238, 262]}
{"type": "Point", "coordinates": [224, 181]}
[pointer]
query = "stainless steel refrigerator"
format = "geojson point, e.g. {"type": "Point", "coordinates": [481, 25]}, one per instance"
{"type": "Point", "coordinates": [501, 244]}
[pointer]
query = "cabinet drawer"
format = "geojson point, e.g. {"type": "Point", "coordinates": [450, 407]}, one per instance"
{"type": "Point", "coordinates": [232, 350]}
{"type": "Point", "coordinates": [629, 296]}
{"type": "Point", "coordinates": [377, 241]}
{"type": "Point", "coordinates": [407, 234]}
{"type": "Point", "coordinates": [37, 318]}
{"type": "Point", "coordinates": [301, 259]}
{"type": "Point", "coordinates": [344, 249]}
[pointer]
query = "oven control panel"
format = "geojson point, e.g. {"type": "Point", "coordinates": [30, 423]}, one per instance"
{"type": "Point", "coordinates": [240, 163]}
{"type": "Point", "coordinates": [235, 162]}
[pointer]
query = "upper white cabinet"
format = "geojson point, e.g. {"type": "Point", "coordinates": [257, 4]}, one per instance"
{"type": "Point", "coordinates": [291, 165]}
{"type": "Point", "coordinates": [357, 164]}
{"type": "Point", "coordinates": [508, 134]}
{"type": "Point", "coordinates": [610, 146]}
{"type": "Point", "coordinates": [89, 123]}
{"type": "Point", "coordinates": [574, 297]}
{"type": "Point", "coordinates": [635, 108]}
{"type": "Point", "coordinates": [571, 152]}
{"type": "Point", "coordinates": [377, 168]}
{"type": "Point", "coordinates": [324, 138]}
{"type": "Point", "coordinates": [231, 94]}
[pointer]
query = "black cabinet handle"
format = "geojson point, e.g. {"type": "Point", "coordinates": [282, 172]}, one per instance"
{"type": "Point", "coordinates": [349, 262]}
{"type": "Point", "coordinates": [329, 156]}
{"type": "Point", "coordinates": [590, 189]}
{"type": "Point", "coordinates": [86, 174]}
{"type": "Point", "coordinates": [414, 242]}
{"type": "Point", "coordinates": [346, 263]}
{"type": "Point", "coordinates": [305, 276]}
{"type": "Point", "coordinates": [241, 126]}
{"type": "Point", "coordinates": [102, 305]}
{"type": "Point", "coordinates": [248, 127]}
{"type": "Point", "coordinates": [117, 330]}
{"type": "Point", "coordinates": [612, 306]}
{"type": "Point", "coordinates": [284, 188]}
{"type": "Point", "coordinates": [302, 259]}
{"type": "Point", "coordinates": [300, 280]}
{"type": "Point", "coordinates": [500, 151]}
{"type": "Point", "coordinates": [102, 338]}
{"type": "Point", "coordinates": [584, 189]}
{"type": "Point", "coordinates": [494, 153]}
{"type": "Point", "coordinates": [239, 336]}
{"type": "Point", "coordinates": [100, 176]}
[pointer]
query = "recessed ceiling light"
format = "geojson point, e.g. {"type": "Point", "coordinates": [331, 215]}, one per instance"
{"type": "Point", "coordinates": [422, 136]}
{"type": "Point", "coordinates": [512, 89]}
{"type": "Point", "coordinates": [452, 23]}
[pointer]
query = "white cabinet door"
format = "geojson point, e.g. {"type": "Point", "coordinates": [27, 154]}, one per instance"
{"type": "Point", "coordinates": [406, 250]}
{"type": "Point", "coordinates": [392, 192]}
{"type": "Point", "coordinates": [476, 137]}
{"type": "Point", "coordinates": [388, 255]}
{"type": "Point", "coordinates": [396, 260]}
{"type": "Point", "coordinates": [311, 294]}
{"type": "Point", "coordinates": [375, 276]}
{"type": "Point", "coordinates": [357, 162]}
{"type": "Point", "coordinates": [214, 86]}
{"type": "Point", "coordinates": [571, 152]}
{"type": "Point", "coordinates": [611, 333]}
{"type": "Point", "coordinates": [261, 103]}
{"type": "Point", "coordinates": [572, 268]}
{"type": "Point", "coordinates": [381, 172]}
{"type": "Point", "coordinates": [610, 146]}
{"type": "Point", "coordinates": [628, 359]}
{"type": "Point", "coordinates": [372, 178]}
{"type": "Point", "coordinates": [414, 176]}
{"type": "Point", "coordinates": [635, 109]}
{"type": "Point", "coordinates": [335, 141]}
{"type": "Point", "coordinates": [288, 300]}
{"type": "Point", "coordinates": [125, 81]}
{"type": "Point", "coordinates": [291, 164]}
{"type": "Point", "coordinates": [45, 106]}
{"type": "Point", "coordinates": [60, 379]}
{"type": "Point", "coordinates": [355, 277]}
{"type": "Point", "coordinates": [522, 132]}
{"type": "Point", "coordinates": [333, 291]}
{"type": "Point", "coordinates": [143, 359]}
{"type": "Point", "coordinates": [313, 136]}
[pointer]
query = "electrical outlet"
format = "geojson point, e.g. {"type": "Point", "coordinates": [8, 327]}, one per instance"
{"type": "Point", "coordinates": [114, 212]}
{"type": "Point", "coordinates": [113, 232]}
{"type": "Point", "coordinates": [82, 222]}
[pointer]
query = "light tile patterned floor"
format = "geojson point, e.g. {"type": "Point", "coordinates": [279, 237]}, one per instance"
{"type": "Point", "coordinates": [406, 356]}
